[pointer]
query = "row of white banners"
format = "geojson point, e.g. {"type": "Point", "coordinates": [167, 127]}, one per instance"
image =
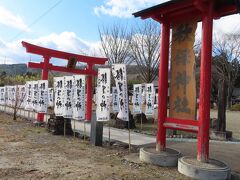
{"type": "Point", "coordinates": [68, 96]}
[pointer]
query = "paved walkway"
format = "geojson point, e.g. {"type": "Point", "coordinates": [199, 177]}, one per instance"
{"type": "Point", "coordinates": [228, 152]}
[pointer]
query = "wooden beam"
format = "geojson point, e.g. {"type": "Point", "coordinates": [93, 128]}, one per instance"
{"type": "Point", "coordinates": [62, 69]}
{"type": "Point", "coordinates": [31, 48]}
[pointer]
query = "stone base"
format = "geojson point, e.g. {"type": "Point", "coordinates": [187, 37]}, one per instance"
{"type": "Point", "coordinates": [219, 135]}
{"type": "Point", "coordinates": [168, 158]}
{"type": "Point", "coordinates": [212, 170]}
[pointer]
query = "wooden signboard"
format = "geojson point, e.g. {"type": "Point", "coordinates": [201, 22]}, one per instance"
{"type": "Point", "coordinates": [182, 82]}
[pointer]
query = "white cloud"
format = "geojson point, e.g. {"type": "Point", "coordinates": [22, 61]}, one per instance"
{"type": "Point", "coordinates": [124, 8]}
{"type": "Point", "coordinates": [9, 19]}
{"type": "Point", "coordinates": [228, 24]}
{"type": "Point", "coordinates": [13, 52]}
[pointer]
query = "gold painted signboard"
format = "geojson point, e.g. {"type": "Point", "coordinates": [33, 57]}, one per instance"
{"type": "Point", "coordinates": [182, 82]}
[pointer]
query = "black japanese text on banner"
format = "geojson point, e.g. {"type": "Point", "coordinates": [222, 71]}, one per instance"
{"type": "Point", "coordinates": [137, 98]}
{"type": "Point", "coordinates": [103, 94]}
{"type": "Point", "coordinates": [7, 101]}
{"type": "Point", "coordinates": [29, 88]}
{"type": "Point", "coordinates": [42, 96]}
{"type": "Point", "coordinates": [120, 76]}
{"type": "Point", "coordinates": [21, 96]}
{"type": "Point", "coordinates": [58, 88]}
{"type": "Point", "coordinates": [68, 97]}
{"type": "Point", "coordinates": [79, 96]}
{"type": "Point", "coordinates": [2, 95]}
{"type": "Point", "coordinates": [115, 102]}
{"type": "Point", "coordinates": [150, 96]}
{"type": "Point", "coordinates": [14, 94]}
{"type": "Point", "coordinates": [35, 95]}
{"type": "Point", "coordinates": [50, 97]}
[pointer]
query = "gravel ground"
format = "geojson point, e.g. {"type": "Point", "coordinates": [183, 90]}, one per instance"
{"type": "Point", "coordinates": [29, 152]}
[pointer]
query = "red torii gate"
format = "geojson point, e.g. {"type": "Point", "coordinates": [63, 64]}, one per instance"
{"type": "Point", "coordinates": [176, 11]}
{"type": "Point", "coordinates": [72, 60]}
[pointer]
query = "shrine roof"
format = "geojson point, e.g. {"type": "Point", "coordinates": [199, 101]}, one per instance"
{"type": "Point", "coordinates": [177, 10]}
{"type": "Point", "coordinates": [31, 48]}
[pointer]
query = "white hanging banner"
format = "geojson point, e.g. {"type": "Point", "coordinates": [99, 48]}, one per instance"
{"type": "Point", "coordinates": [29, 91]}
{"type": "Point", "coordinates": [68, 97]}
{"type": "Point", "coordinates": [50, 97]}
{"type": "Point", "coordinates": [9, 95]}
{"type": "Point", "coordinates": [13, 94]}
{"type": "Point", "coordinates": [137, 99]}
{"type": "Point", "coordinates": [2, 95]}
{"type": "Point", "coordinates": [150, 97]}
{"type": "Point", "coordinates": [115, 102]}
{"type": "Point", "coordinates": [35, 95]}
{"type": "Point", "coordinates": [59, 100]}
{"type": "Point", "coordinates": [79, 105]}
{"type": "Point", "coordinates": [120, 76]}
{"type": "Point", "coordinates": [103, 94]}
{"type": "Point", "coordinates": [21, 96]}
{"type": "Point", "coordinates": [42, 106]}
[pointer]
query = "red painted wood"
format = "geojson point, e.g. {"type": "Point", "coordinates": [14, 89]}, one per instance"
{"type": "Point", "coordinates": [205, 87]}
{"type": "Point", "coordinates": [172, 9]}
{"type": "Point", "coordinates": [62, 69]}
{"type": "Point", "coordinates": [89, 97]}
{"type": "Point", "coordinates": [163, 87]}
{"type": "Point", "coordinates": [61, 55]}
{"type": "Point", "coordinates": [182, 121]}
{"type": "Point", "coordinates": [168, 9]}
{"type": "Point", "coordinates": [180, 127]}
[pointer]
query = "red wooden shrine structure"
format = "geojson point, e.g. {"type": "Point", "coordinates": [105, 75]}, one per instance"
{"type": "Point", "coordinates": [177, 11]}
{"type": "Point", "coordinates": [72, 60]}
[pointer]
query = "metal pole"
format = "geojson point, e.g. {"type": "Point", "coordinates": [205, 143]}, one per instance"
{"type": "Point", "coordinates": [129, 137]}
{"type": "Point", "coordinates": [64, 128]}
{"type": "Point", "coordinates": [109, 133]}
{"type": "Point", "coordinates": [205, 86]}
{"type": "Point", "coordinates": [163, 87]}
{"type": "Point", "coordinates": [84, 131]}
{"type": "Point", "coordinates": [141, 121]}
{"type": "Point", "coordinates": [74, 134]}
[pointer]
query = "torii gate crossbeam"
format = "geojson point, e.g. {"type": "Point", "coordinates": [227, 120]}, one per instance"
{"type": "Point", "coordinates": [72, 58]}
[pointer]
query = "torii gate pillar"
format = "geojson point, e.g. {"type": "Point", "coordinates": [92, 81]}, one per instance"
{"type": "Point", "coordinates": [89, 96]}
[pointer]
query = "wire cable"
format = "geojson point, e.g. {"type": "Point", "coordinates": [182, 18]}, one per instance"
{"type": "Point", "coordinates": [38, 18]}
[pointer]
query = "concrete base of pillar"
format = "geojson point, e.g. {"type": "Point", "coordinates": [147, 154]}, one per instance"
{"type": "Point", "coordinates": [214, 169]}
{"type": "Point", "coordinates": [168, 158]}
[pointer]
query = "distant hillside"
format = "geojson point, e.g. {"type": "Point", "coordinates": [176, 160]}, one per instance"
{"type": "Point", "coordinates": [19, 69]}
{"type": "Point", "coordinates": [16, 69]}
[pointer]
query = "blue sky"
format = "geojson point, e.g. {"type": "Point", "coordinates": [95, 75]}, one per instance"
{"type": "Point", "coordinates": [71, 26]}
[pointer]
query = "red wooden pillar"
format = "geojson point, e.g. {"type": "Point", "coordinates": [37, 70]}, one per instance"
{"type": "Point", "coordinates": [205, 86]}
{"type": "Point", "coordinates": [40, 116]}
{"type": "Point", "coordinates": [163, 87]}
{"type": "Point", "coordinates": [89, 95]}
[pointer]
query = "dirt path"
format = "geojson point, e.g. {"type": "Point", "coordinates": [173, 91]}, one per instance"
{"type": "Point", "coordinates": [28, 152]}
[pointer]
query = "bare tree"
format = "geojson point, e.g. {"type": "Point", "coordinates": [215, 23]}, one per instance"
{"type": "Point", "coordinates": [227, 61]}
{"type": "Point", "coordinates": [115, 43]}
{"type": "Point", "coordinates": [145, 50]}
